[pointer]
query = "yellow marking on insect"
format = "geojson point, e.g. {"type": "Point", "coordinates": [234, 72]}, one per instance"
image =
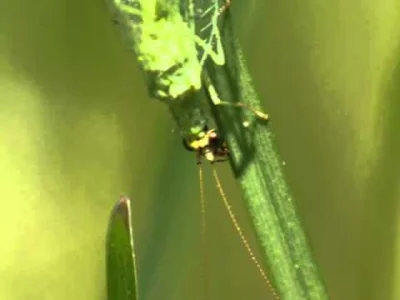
{"type": "Point", "coordinates": [204, 140]}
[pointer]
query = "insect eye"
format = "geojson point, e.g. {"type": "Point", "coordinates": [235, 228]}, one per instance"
{"type": "Point", "coordinates": [187, 145]}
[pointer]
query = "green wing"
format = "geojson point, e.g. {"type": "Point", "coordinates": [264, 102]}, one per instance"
{"type": "Point", "coordinates": [207, 30]}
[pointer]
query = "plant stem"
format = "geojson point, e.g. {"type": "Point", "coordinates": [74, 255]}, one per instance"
{"type": "Point", "coordinates": [259, 170]}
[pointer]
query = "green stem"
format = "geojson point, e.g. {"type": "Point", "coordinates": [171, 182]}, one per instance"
{"type": "Point", "coordinates": [258, 168]}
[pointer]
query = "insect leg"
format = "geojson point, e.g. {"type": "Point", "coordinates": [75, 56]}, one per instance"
{"type": "Point", "coordinates": [212, 92]}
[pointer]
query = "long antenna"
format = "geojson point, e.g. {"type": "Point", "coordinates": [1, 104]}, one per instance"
{"type": "Point", "coordinates": [245, 243]}
{"type": "Point", "coordinates": [203, 232]}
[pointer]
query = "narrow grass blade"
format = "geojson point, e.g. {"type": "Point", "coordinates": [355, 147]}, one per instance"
{"type": "Point", "coordinates": [120, 255]}
{"type": "Point", "coordinates": [259, 170]}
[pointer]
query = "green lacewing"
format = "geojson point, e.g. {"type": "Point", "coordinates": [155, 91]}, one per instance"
{"type": "Point", "coordinates": [172, 40]}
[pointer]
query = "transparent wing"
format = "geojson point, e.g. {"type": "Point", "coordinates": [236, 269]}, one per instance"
{"type": "Point", "coordinates": [207, 22]}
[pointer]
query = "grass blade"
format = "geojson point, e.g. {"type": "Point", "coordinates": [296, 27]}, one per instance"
{"type": "Point", "coordinates": [120, 255]}
{"type": "Point", "coordinates": [259, 170]}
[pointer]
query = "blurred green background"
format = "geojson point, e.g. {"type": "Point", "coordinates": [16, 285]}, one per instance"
{"type": "Point", "coordinates": [78, 130]}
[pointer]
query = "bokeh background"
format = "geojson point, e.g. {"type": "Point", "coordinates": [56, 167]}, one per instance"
{"type": "Point", "coordinates": [77, 130]}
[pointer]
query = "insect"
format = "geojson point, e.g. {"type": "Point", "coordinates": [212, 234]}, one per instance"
{"type": "Point", "coordinates": [172, 40]}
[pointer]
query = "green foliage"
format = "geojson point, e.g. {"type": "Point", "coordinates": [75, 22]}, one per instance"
{"type": "Point", "coordinates": [78, 128]}
{"type": "Point", "coordinates": [120, 254]}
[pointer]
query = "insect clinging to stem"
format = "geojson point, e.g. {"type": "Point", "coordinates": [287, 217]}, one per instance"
{"type": "Point", "coordinates": [172, 41]}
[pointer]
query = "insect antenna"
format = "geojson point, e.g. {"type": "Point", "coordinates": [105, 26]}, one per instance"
{"type": "Point", "coordinates": [239, 231]}
{"type": "Point", "coordinates": [205, 261]}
